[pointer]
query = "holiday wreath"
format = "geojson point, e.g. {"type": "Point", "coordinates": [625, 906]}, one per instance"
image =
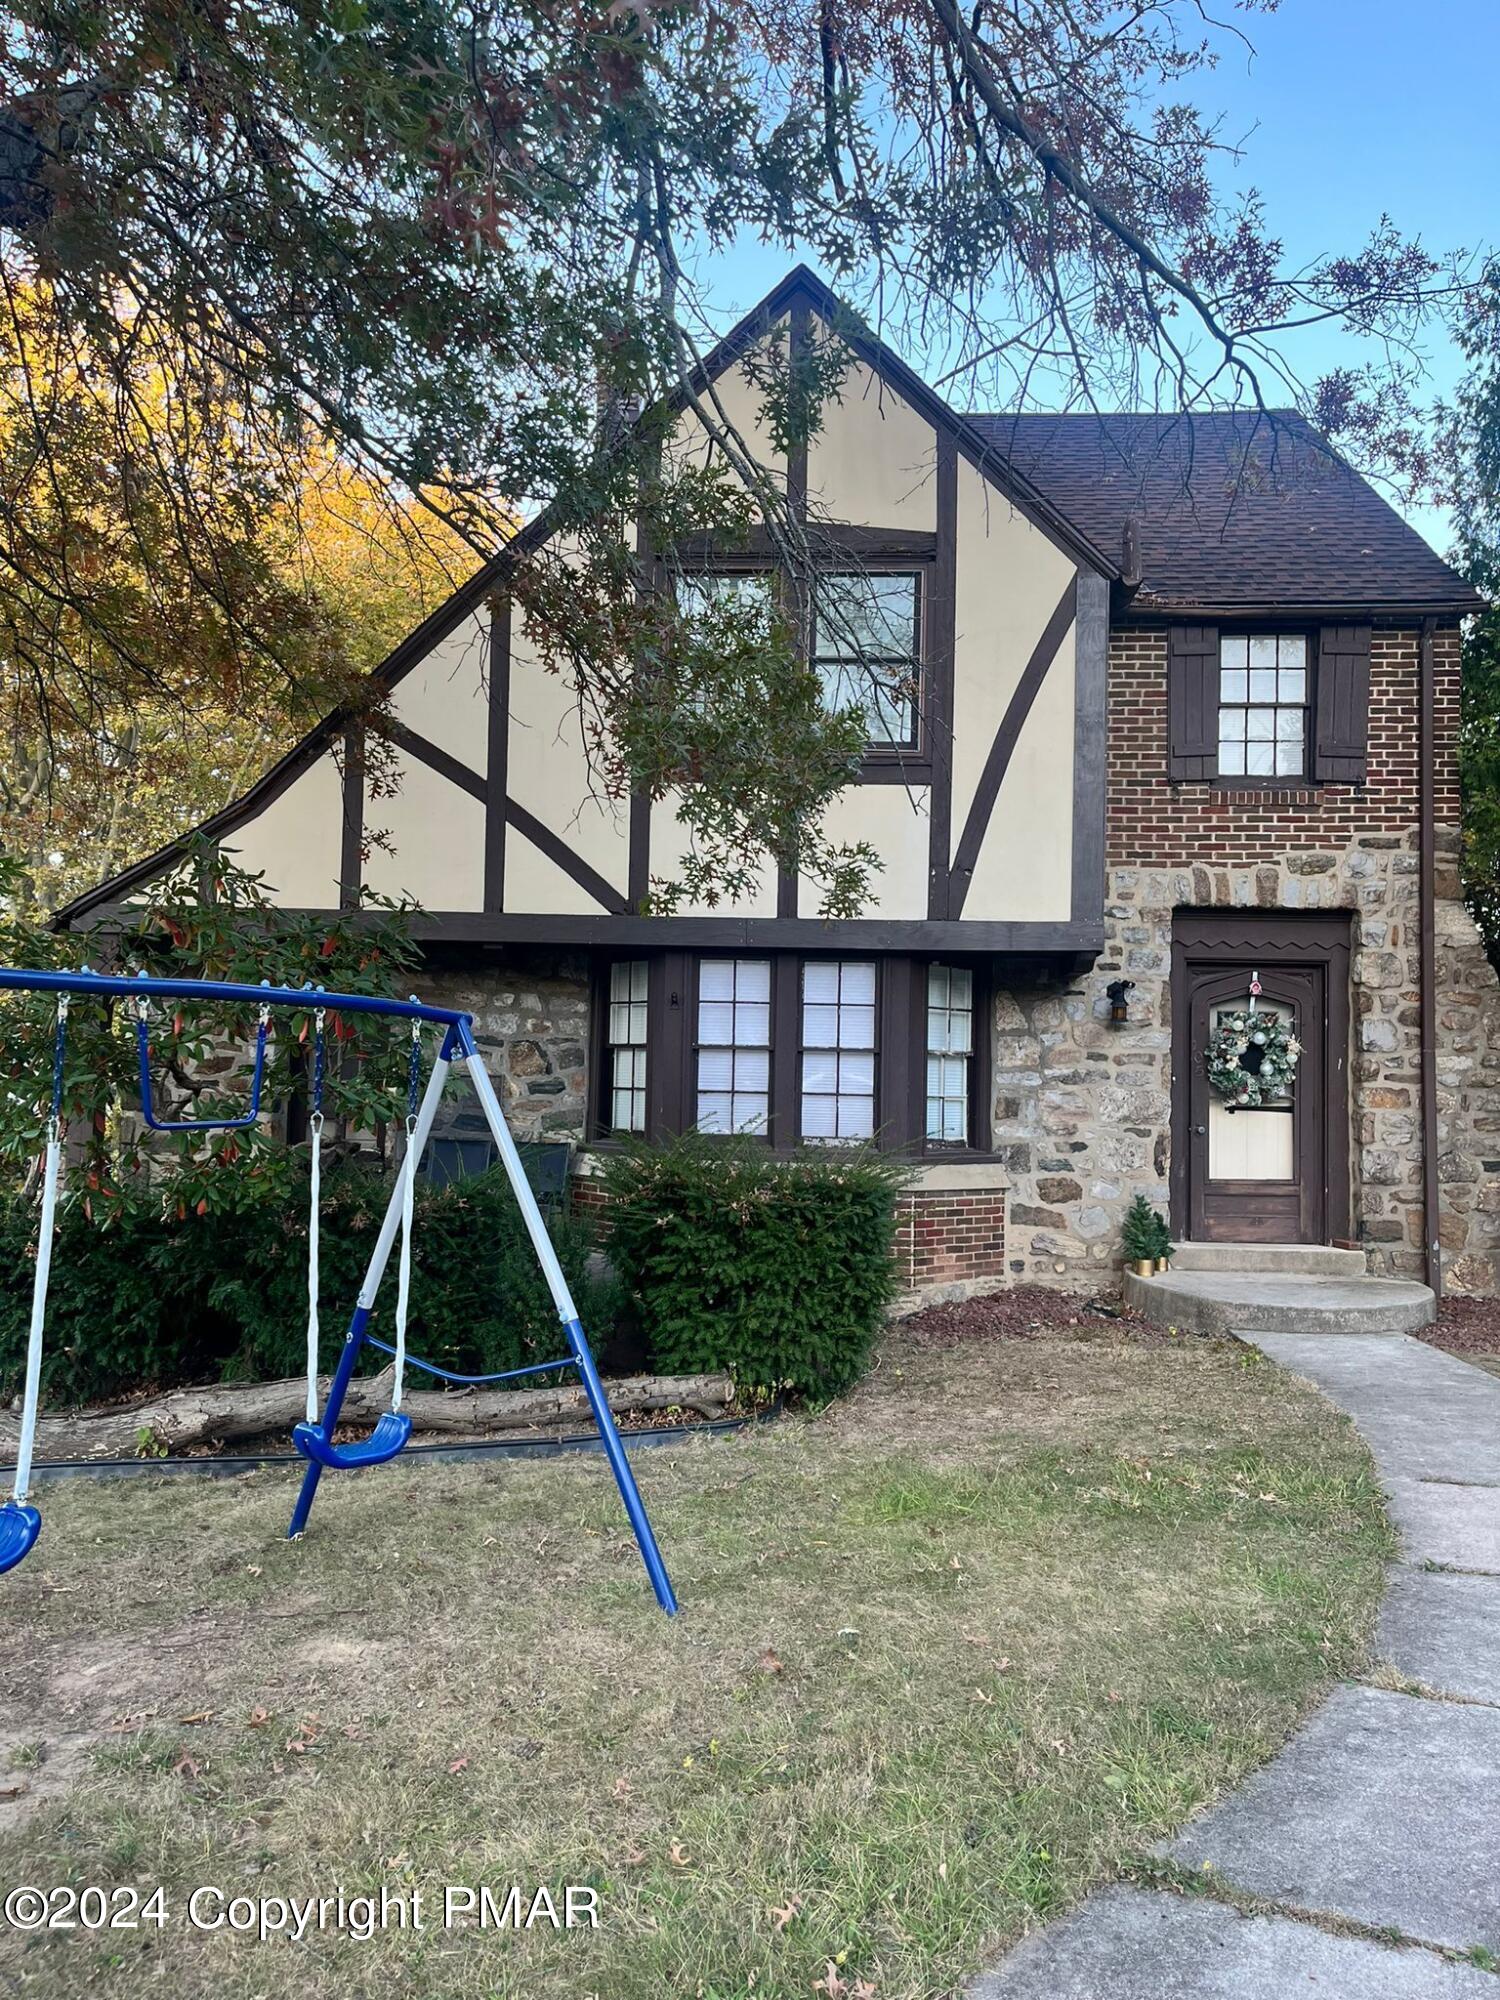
{"type": "Point", "coordinates": [1251, 1057]}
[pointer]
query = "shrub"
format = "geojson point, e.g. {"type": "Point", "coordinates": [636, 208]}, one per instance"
{"type": "Point", "coordinates": [778, 1270]}
{"type": "Point", "coordinates": [147, 1302]}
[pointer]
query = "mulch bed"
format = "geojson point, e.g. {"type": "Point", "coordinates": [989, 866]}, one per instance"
{"type": "Point", "coordinates": [1465, 1326]}
{"type": "Point", "coordinates": [1030, 1312]}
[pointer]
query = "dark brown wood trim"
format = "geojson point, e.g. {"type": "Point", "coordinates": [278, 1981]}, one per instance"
{"type": "Point", "coordinates": [435, 758]}
{"type": "Point", "coordinates": [799, 338]}
{"type": "Point", "coordinates": [352, 830]}
{"type": "Point", "coordinates": [497, 754]}
{"type": "Point", "coordinates": [1090, 743]}
{"type": "Point", "coordinates": [996, 764]}
{"type": "Point", "coordinates": [838, 538]}
{"type": "Point", "coordinates": [624, 932]}
{"type": "Point", "coordinates": [942, 638]}
{"type": "Point", "coordinates": [1427, 994]}
{"type": "Point", "coordinates": [572, 863]}
{"type": "Point", "coordinates": [638, 861]}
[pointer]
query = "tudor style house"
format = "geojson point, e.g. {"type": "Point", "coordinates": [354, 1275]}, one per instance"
{"type": "Point", "coordinates": [1184, 734]}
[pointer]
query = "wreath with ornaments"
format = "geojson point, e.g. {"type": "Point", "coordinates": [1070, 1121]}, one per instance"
{"type": "Point", "coordinates": [1252, 1057]}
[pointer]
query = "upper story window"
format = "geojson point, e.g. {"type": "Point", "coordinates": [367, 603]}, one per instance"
{"type": "Point", "coordinates": [1263, 705]}
{"type": "Point", "coordinates": [712, 590]}
{"type": "Point", "coordinates": [866, 649]}
{"type": "Point", "coordinates": [838, 1049]}
{"type": "Point", "coordinates": [734, 1045]}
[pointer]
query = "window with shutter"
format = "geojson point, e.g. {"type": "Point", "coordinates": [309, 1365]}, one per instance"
{"type": "Point", "coordinates": [1341, 738]}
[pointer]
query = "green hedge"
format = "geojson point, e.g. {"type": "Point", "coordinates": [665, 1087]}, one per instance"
{"type": "Point", "coordinates": [776, 1269]}
{"type": "Point", "coordinates": [150, 1303]}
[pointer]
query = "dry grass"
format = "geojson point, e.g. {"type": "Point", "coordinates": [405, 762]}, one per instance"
{"type": "Point", "coordinates": [946, 1655]}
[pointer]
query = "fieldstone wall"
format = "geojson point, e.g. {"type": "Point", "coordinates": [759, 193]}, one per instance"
{"type": "Point", "coordinates": [531, 1021]}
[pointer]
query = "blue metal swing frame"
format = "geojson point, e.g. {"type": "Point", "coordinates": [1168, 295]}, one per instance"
{"type": "Point", "coordinates": [458, 1047]}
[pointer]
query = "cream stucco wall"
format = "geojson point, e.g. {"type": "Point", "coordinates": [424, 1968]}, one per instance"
{"type": "Point", "coordinates": [296, 842]}
{"type": "Point", "coordinates": [1010, 579]}
{"type": "Point", "coordinates": [446, 697]}
{"type": "Point", "coordinates": [436, 842]}
{"type": "Point", "coordinates": [873, 461]}
{"type": "Point", "coordinates": [894, 820]}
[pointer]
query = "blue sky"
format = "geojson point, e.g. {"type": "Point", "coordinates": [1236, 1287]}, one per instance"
{"type": "Point", "coordinates": [1347, 109]}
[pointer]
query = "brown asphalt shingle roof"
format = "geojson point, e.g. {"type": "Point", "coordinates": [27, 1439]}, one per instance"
{"type": "Point", "coordinates": [1233, 510]}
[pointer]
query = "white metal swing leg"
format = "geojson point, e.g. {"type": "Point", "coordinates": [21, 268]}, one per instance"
{"type": "Point", "coordinates": [32, 1396]}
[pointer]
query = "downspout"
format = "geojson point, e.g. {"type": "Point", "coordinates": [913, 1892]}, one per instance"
{"type": "Point", "coordinates": [1427, 906]}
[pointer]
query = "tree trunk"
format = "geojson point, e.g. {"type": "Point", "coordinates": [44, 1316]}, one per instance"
{"type": "Point", "coordinates": [223, 1412]}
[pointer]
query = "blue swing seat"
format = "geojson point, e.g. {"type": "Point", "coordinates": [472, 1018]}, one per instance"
{"type": "Point", "coordinates": [19, 1528]}
{"type": "Point", "coordinates": [388, 1437]}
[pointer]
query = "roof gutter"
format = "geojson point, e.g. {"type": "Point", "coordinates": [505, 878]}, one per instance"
{"type": "Point", "coordinates": [1427, 998]}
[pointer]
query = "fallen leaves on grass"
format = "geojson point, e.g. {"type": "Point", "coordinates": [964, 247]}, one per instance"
{"type": "Point", "coordinates": [770, 1662]}
{"type": "Point", "coordinates": [791, 1908]}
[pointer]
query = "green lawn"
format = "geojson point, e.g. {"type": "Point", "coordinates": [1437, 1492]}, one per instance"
{"type": "Point", "coordinates": [947, 1655]}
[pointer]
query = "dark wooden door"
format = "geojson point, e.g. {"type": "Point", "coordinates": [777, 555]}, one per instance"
{"type": "Point", "coordinates": [1258, 1174]}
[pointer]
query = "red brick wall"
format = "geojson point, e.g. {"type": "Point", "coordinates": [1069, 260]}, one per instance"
{"type": "Point", "coordinates": [945, 1235]}
{"type": "Point", "coordinates": [1154, 824]}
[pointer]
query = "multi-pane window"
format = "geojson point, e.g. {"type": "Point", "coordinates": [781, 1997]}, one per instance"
{"type": "Point", "coordinates": [838, 1049]}
{"type": "Point", "coordinates": [707, 591]}
{"type": "Point", "coordinates": [866, 650]}
{"type": "Point", "coordinates": [734, 1044]}
{"type": "Point", "coordinates": [627, 1046]}
{"type": "Point", "coordinates": [1263, 705]}
{"type": "Point", "coordinates": [950, 1052]}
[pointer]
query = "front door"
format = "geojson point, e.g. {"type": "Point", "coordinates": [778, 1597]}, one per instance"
{"type": "Point", "coordinates": [1252, 1174]}
{"type": "Point", "coordinates": [1275, 1172]}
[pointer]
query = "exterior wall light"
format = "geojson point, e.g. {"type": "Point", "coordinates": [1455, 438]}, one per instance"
{"type": "Point", "coordinates": [1119, 1009]}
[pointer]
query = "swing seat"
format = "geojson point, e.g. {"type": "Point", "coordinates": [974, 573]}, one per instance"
{"type": "Point", "coordinates": [388, 1437]}
{"type": "Point", "coordinates": [19, 1528]}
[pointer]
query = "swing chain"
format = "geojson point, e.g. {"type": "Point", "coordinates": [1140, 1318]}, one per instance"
{"type": "Point", "coordinates": [319, 1016]}
{"type": "Point", "coordinates": [59, 1042]}
{"type": "Point", "coordinates": [414, 1076]}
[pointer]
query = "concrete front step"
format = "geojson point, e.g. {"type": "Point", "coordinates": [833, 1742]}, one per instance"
{"type": "Point", "coordinates": [1307, 1259]}
{"type": "Point", "coordinates": [1270, 1302]}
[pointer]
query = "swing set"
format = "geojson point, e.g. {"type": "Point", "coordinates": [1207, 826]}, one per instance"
{"type": "Point", "coordinates": [20, 1523]}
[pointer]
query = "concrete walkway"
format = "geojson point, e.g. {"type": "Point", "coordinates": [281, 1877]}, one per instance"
{"type": "Point", "coordinates": [1376, 1832]}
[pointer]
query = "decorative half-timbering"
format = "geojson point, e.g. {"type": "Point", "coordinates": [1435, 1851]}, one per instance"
{"type": "Point", "coordinates": [1138, 744]}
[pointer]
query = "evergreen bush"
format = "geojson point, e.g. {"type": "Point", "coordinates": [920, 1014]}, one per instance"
{"type": "Point", "coordinates": [146, 1301]}
{"type": "Point", "coordinates": [777, 1269]}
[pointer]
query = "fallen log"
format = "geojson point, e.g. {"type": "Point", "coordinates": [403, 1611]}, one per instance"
{"type": "Point", "coordinates": [223, 1412]}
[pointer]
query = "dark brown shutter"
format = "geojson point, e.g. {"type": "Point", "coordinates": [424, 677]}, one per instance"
{"type": "Point", "coordinates": [1342, 730]}
{"type": "Point", "coordinates": [1193, 701]}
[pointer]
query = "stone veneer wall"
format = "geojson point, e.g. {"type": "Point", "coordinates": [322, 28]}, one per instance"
{"type": "Point", "coordinates": [531, 1021]}
{"type": "Point", "coordinates": [1082, 1111]}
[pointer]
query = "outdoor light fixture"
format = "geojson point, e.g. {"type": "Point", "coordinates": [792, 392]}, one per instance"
{"type": "Point", "coordinates": [1119, 1010]}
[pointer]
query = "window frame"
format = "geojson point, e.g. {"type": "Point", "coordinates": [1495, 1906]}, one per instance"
{"type": "Point", "coordinates": [1246, 781]}
{"type": "Point", "coordinates": [900, 1111]}
{"type": "Point", "coordinates": [801, 961]}
{"type": "Point", "coordinates": [881, 763]}
{"type": "Point", "coordinates": [693, 1047]}
{"type": "Point", "coordinates": [898, 758]}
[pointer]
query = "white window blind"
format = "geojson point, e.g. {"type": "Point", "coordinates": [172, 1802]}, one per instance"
{"type": "Point", "coordinates": [838, 1050]}
{"type": "Point", "coordinates": [734, 1044]}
